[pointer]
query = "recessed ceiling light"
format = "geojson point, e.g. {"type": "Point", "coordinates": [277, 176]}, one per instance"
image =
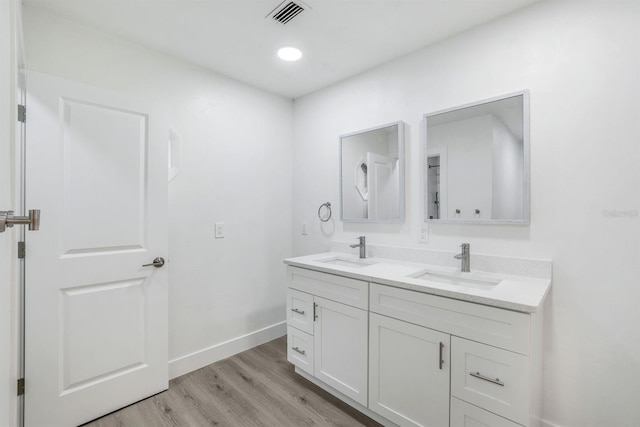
{"type": "Point", "coordinates": [289, 54]}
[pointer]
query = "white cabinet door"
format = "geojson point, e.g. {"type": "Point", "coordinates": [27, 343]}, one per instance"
{"type": "Point", "coordinates": [408, 373]}
{"type": "Point", "coordinates": [95, 319]}
{"type": "Point", "coordinates": [340, 345]}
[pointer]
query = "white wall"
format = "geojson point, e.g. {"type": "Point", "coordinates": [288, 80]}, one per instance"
{"type": "Point", "coordinates": [236, 169]}
{"type": "Point", "coordinates": [581, 62]}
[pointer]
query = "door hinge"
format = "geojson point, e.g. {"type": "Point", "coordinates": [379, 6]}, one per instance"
{"type": "Point", "coordinates": [22, 113]}
{"type": "Point", "coordinates": [20, 386]}
{"type": "Point", "coordinates": [21, 250]}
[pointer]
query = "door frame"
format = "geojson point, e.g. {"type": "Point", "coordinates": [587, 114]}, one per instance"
{"type": "Point", "coordinates": [12, 140]}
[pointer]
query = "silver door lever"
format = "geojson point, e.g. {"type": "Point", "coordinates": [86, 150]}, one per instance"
{"type": "Point", "coordinates": [157, 263]}
{"type": "Point", "coordinates": [8, 219]}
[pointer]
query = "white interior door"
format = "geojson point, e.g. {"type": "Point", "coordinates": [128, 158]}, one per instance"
{"type": "Point", "coordinates": [95, 318]}
{"type": "Point", "coordinates": [382, 182]}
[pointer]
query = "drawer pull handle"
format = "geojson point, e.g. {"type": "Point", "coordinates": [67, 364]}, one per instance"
{"type": "Point", "coordinates": [298, 350]}
{"type": "Point", "coordinates": [295, 310]}
{"type": "Point", "coordinates": [491, 380]}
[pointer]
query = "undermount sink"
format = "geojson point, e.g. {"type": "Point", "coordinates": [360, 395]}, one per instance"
{"type": "Point", "coordinates": [347, 262]}
{"type": "Point", "coordinates": [469, 280]}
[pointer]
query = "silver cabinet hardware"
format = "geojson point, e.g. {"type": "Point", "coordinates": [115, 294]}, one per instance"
{"type": "Point", "coordinates": [295, 310]}
{"type": "Point", "coordinates": [157, 262]}
{"type": "Point", "coordinates": [8, 220]}
{"type": "Point", "coordinates": [315, 314]}
{"type": "Point", "coordinates": [491, 380]}
{"type": "Point", "coordinates": [298, 350]}
{"type": "Point", "coordinates": [440, 359]}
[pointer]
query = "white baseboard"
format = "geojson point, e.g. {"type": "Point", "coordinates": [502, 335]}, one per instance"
{"type": "Point", "coordinates": [201, 358]}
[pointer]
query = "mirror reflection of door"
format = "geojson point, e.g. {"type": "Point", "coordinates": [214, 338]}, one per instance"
{"type": "Point", "coordinates": [383, 185]}
{"type": "Point", "coordinates": [371, 175]}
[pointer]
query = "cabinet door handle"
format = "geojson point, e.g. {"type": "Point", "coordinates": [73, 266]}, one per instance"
{"type": "Point", "coordinates": [440, 359]}
{"type": "Point", "coordinates": [315, 313]}
{"type": "Point", "coordinates": [298, 350]}
{"type": "Point", "coordinates": [295, 310]}
{"type": "Point", "coordinates": [491, 380]}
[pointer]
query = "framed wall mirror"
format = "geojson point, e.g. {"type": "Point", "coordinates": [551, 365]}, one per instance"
{"type": "Point", "coordinates": [372, 174]}
{"type": "Point", "coordinates": [476, 162]}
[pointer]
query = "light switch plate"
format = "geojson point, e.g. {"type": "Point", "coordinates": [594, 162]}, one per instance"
{"type": "Point", "coordinates": [219, 230]}
{"type": "Point", "coordinates": [423, 234]}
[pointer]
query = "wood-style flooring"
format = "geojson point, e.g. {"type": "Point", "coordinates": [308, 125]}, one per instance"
{"type": "Point", "coordinates": [255, 388]}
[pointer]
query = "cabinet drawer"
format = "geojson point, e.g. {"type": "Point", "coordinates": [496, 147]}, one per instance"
{"type": "Point", "coordinates": [466, 415]}
{"type": "Point", "coordinates": [300, 349]}
{"type": "Point", "coordinates": [300, 310]}
{"type": "Point", "coordinates": [492, 378]}
{"type": "Point", "coordinates": [335, 288]}
{"type": "Point", "coordinates": [501, 328]}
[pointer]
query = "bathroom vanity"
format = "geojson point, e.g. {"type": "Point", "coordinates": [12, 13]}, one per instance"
{"type": "Point", "coordinates": [412, 344]}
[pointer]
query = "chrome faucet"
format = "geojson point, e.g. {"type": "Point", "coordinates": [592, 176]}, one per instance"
{"type": "Point", "coordinates": [465, 257]}
{"type": "Point", "coordinates": [362, 245]}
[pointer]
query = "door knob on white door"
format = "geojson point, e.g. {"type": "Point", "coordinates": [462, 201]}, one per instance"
{"type": "Point", "coordinates": [157, 262]}
{"type": "Point", "coordinates": [7, 220]}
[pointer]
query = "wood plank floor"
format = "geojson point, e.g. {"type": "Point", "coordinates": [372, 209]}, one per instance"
{"type": "Point", "coordinates": [255, 388]}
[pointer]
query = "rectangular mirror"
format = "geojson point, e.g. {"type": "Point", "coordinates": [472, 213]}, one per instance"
{"type": "Point", "coordinates": [476, 165]}
{"type": "Point", "coordinates": [372, 174]}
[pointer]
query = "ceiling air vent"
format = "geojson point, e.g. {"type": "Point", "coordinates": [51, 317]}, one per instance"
{"type": "Point", "coordinates": [287, 10]}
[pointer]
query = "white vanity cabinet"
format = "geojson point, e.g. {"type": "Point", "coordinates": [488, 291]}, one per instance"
{"type": "Point", "coordinates": [410, 358]}
{"type": "Point", "coordinates": [327, 328]}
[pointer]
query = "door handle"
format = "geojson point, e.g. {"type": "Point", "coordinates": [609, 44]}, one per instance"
{"type": "Point", "coordinates": [157, 262]}
{"type": "Point", "coordinates": [8, 220]}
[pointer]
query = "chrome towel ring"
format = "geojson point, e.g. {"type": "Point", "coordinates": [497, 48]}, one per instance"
{"type": "Point", "coordinates": [324, 215]}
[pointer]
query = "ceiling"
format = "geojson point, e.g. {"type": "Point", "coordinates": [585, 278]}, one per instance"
{"type": "Point", "coordinates": [338, 38]}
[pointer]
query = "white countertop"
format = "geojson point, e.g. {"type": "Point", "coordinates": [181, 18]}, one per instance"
{"type": "Point", "coordinates": [524, 294]}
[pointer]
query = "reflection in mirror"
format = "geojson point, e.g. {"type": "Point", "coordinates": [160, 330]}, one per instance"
{"type": "Point", "coordinates": [372, 174]}
{"type": "Point", "coordinates": [477, 162]}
